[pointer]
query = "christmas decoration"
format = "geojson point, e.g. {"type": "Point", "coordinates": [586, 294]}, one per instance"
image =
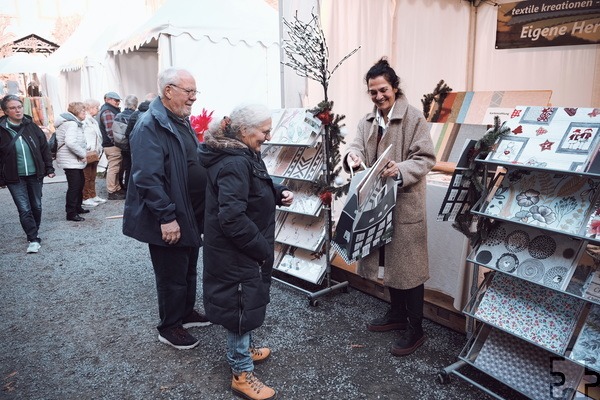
{"type": "Point", "coordinates": [200, 123]}
{"type": "Point", "coordinates": [438, 96]}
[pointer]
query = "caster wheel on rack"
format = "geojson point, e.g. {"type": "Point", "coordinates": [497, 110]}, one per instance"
{"type": "Point", "coordinates": [443, 377]}
{"type": "Point", "coordinates": [313, 302]}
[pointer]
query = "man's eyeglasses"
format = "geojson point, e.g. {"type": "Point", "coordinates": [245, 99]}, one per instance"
{"type": "Point", "coordinates": [189, 92]}
{"type": "Point", "coordinates": [15, 108]}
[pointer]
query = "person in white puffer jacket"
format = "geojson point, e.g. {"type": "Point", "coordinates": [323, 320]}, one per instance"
{"type": "Point", "coordinates": [71, 156]}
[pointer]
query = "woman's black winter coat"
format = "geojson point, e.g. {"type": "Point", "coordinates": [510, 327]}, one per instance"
{"type": "Point", "coordinates": [239, 233]}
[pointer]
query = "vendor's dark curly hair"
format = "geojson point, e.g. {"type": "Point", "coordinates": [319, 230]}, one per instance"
{"type": "Point", "coordinates": [382, 68]}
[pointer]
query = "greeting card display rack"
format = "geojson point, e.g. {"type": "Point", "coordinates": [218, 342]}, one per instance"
{"type": "Point", "coordinates": [534, 321]}
{"type": "Point", "coordinates": [296, 154]}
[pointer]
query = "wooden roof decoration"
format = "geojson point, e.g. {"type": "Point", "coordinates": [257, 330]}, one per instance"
{"type": "Point", "coordinates": [34, 44]}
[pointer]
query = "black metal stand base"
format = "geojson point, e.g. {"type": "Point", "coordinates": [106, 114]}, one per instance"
{"type": "Point", "coordinates": [319, 290]}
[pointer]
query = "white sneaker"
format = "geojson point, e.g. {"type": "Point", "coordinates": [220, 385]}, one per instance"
{"type": "Point", "coordinates": [99, 199]}
{"type": "Point", "coordinates": [89, 203]}
{"type": "Point", "coordinates": [33, 247]}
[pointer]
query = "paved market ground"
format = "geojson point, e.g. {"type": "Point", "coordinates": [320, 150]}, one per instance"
{"type": "Point", "coordinates": [77, 321]}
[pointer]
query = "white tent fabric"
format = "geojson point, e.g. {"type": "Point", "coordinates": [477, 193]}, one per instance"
{"type": "Point", "coordinates": [230, 46]}
{"type": "Point", "coordinates": [25, 63]}
{"type": "Point", "coordinates": [86, 68]}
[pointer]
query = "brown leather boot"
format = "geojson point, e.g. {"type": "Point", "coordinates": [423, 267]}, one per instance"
{"type": "Point", "coordinates": [259, 354]}
{"type": "Point", "coordinates": [248, 386]}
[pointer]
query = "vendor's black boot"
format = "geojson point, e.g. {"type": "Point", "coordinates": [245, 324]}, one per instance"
{"type": "Point", "coordinates": [396, 317]}
{"type": "Point", "coordinates": [412, 338]}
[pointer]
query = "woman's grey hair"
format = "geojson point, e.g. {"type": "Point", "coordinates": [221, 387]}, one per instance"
{"type": "Point", "coordinates": [6, 99]}
{"type": "Point", "coordinates": [170, 76]}
{"type": "Point", "coordinates": [247, 116]}
{"type": "Point", "coordinates": [131, 102]}
{"type": "Point", "coordinates": [90, 103]}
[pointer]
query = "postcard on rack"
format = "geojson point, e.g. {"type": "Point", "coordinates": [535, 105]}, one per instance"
{"type": "Point", "coordinates": [294, 127]}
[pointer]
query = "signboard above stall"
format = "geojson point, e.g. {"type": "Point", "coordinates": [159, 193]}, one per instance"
{"type": "Point", "coordinates": [540, 23]}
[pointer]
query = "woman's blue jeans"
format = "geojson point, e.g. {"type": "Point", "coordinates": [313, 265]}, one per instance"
{"type": "Point", "coordinates": [238, 352]}
{"type": "Point", "coordinates": [27, 195]}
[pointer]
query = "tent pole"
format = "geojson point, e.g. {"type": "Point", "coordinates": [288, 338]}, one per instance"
{"type": "Point", "coordinates": [281, 7]}
{"type": "Point", "coordinates": [471, 48]}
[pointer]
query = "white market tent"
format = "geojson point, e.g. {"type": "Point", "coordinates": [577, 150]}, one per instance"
{"type": "Point", "coordinates": [230, 46]}
{"type": "Point", "coordinates": [87, 70]}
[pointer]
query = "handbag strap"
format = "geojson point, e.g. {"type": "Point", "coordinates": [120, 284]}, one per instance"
{"type": "Point", "coordinates": [14, 139]}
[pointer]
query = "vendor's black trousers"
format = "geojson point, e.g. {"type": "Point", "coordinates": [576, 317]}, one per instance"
{"type": "Point", "coordinates": [176, 271]}
{"type": "Point", "coordinates": [409, 304]}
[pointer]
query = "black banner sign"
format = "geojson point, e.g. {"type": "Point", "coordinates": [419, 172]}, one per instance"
{"type": "Point", "coordinates": [539, 23]}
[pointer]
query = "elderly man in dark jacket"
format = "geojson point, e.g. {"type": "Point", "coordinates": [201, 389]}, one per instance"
{"type": "Point", "coordinates": [165, 204]}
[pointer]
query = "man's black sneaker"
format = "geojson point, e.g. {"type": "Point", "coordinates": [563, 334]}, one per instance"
{"type": "Point", "coordinates": [388, 322]}
{"type": "Point", "coordinates": [195, 319]}
{"type": "Point", "coordinates": [178, 337]}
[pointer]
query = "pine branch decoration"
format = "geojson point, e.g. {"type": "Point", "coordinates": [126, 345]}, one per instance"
{"type": "Point", "coordinates": [438, 96]}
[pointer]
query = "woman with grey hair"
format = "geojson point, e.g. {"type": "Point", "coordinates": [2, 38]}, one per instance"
{"type": "Point", "coordinates": [239, 238]}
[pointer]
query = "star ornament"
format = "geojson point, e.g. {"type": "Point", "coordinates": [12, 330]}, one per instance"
{"type": "Point", "coordinates": [547, 145]}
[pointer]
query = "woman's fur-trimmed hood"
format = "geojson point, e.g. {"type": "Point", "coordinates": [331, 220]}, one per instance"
{"type": "Point", "coordinates": [216, 139]}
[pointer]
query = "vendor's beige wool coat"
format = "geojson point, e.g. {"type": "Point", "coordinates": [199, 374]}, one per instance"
{"type": "Point", "coordinates": [406, 260]}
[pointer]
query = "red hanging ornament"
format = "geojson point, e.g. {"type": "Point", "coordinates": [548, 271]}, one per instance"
{"type": "Point", "coordinates": [325, 116]}
{"type": "Point", "coordinates": [326, 197]}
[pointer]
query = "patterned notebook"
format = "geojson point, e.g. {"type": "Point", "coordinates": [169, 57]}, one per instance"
{"type": "Point", "coordinates": [527, 368]}
{"type": "Point", "coordinates": [529, 311]}
{"type": "Point", "coordinates": [299, 230]}
{"type": "Point", "coordinates": [304, 163]}
{"type": "Point", "coordinates": [306, 199]}
{"type": "Point", "coordinates": [554, 201]}
{"type": "Point", "coordinates": [539, 256]}
{"type": "Point", "coordinates": [587, 347]}
{"type": "Point", "coordinates": [303, 264]}
{"type": "Point", "coordinates": [558, 138]}
{"type": "Point", "coordinates": [294, 127]}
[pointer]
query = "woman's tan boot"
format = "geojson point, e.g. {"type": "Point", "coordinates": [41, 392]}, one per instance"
{"type": "Point", "coordinates": [248, 386]}
{"type": "Point", "coordinates": [259, 354]}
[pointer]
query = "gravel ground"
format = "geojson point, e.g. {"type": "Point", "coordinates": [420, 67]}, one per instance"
{"type": "Point", "coordinates": [77, 321]}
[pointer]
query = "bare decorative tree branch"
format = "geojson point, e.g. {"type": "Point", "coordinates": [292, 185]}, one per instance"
{"type": "Point", "coordinates": [307, 52]}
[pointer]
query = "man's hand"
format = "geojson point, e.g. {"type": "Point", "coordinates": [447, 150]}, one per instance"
{"type": "Point", "coordinates": [170, 232]}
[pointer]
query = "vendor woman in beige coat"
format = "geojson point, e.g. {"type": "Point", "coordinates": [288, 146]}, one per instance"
{"type": "Point", "coordinates": [394, 122]}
